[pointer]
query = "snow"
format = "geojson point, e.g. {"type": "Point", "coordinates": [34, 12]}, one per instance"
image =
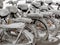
{"type": "Point", "coordinates": [23, 2]}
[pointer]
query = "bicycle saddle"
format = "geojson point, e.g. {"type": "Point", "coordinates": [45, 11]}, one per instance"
{"type": "Point", "coordinates": [4, 12]}
{"type": "Point", "coordinates": [12, 9]}
{"type": "Point", "coordinates": [48, 2]}
{"type": "Point", "coordinates": [23, 7]}
{"type": "Point", "coordinates": [36, 5]}
{"type": "Point", "coordinates": [44, 7]}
